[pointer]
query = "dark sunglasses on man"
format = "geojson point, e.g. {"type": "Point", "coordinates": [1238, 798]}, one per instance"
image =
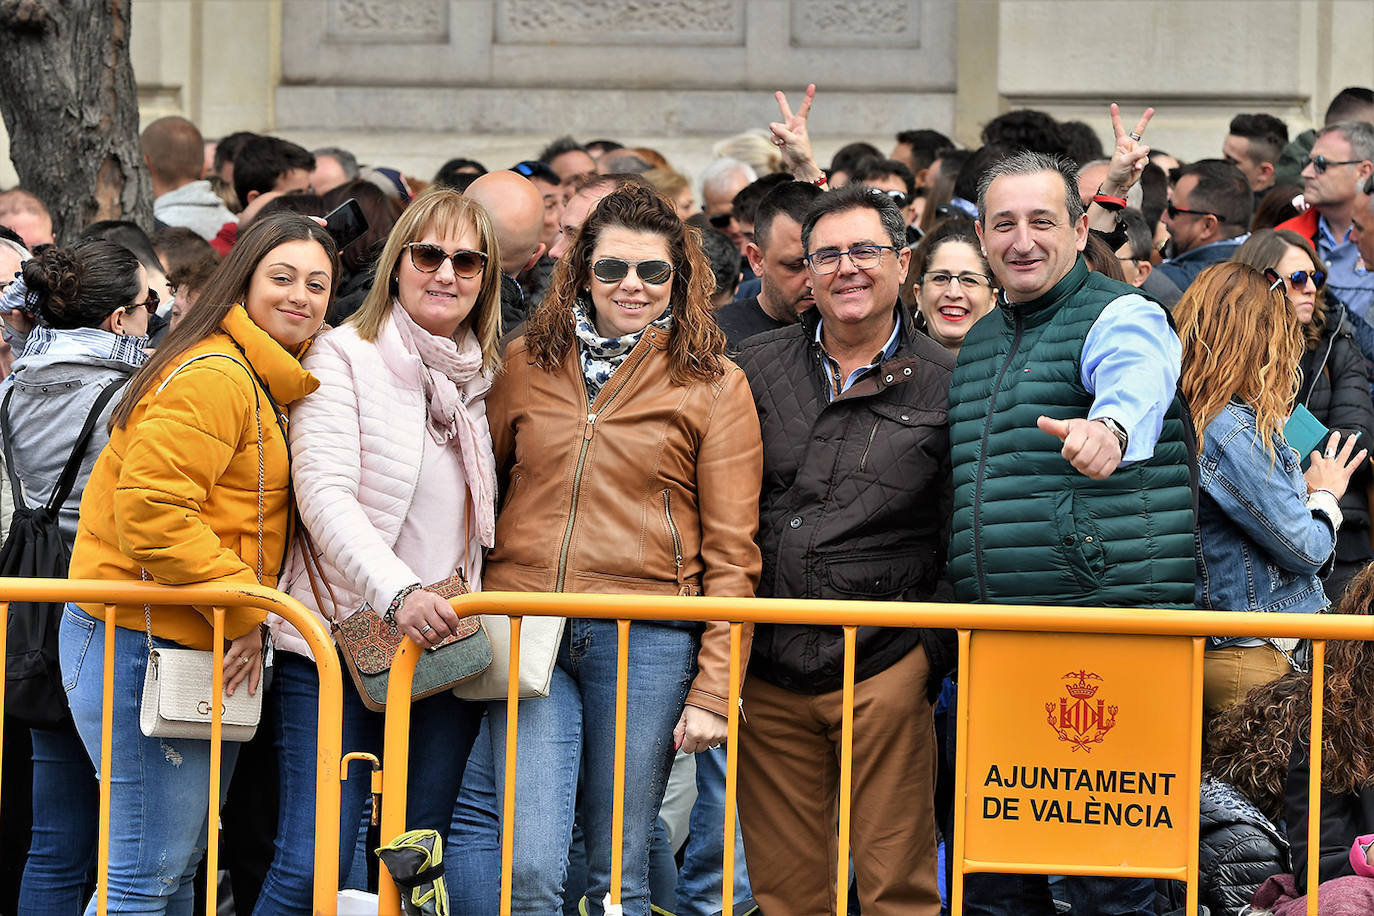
{"type": "Point", "coordinates": [1320, 163]}
{"type": "Point", "coordinates": [1175, 211]}
{"type": "Point", "coordinates": [720, 221]}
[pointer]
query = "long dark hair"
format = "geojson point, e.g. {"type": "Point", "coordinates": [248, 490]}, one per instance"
{"type": "Point", "coordinates": [227, 287]}
{"type": "Point", "coordinates": [81, 286]}
{"type": "Point", "coordinates": [695, 343]}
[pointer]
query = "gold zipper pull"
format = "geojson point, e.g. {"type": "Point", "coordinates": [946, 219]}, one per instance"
{"type": "Point", "coordinates": [591, 423]}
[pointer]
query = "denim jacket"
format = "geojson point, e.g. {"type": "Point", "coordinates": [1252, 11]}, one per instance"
{"type": "Point", "coordinates": [1259, 546]}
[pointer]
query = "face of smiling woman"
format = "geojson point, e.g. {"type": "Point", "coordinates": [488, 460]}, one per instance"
{"type": "Point", "coordinates": [289, 291]}
{"type": "Point", "coordinates": [440, 302]}
{"type": "Point", "coordinates": [629, 304]}
{"type": "Point", "coordinates": [952, 308]}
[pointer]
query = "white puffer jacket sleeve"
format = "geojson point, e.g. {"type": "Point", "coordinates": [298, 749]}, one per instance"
{"type": "Point", "coordinates": [356, 444]}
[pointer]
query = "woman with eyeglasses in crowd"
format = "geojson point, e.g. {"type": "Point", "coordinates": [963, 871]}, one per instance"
{"type": "Point", "coordinates": [92, 304]}
{"type": "Point", "coordinates": [1266, 530]}
{"type": "Point", "coordinates": [1334, 384]}
{"type": "Point", "coordinates": [396, 485]}
{"type": "Point", "coordinates": [954, 285]}
{"type": "Point", "coordinates": [193, 488]}
{"type": "Point", "coordinates": [630, 459]}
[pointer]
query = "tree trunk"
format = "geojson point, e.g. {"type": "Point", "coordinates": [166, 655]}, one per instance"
{"type": "Point", "coordinates": [71, 108]}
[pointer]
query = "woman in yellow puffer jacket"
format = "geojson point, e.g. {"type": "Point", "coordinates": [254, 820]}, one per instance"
{"type": "Point", "coordinates": [194, 487]}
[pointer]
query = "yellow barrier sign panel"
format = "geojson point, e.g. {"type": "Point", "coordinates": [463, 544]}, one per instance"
{"type": "Point", "coordinates": [1079, 751]}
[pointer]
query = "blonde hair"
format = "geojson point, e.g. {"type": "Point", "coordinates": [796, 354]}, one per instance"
{"type": "Point", "coordinates": [1241, 340]}
{"type": "Point", "coordinates": [753, 147]}
{"type": "Point", "coordinates": [446, 212]}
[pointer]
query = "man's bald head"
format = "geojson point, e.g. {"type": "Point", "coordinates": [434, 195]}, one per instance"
{"type": "Point", "coordinates": [25, 214]}
{"type": "Point", "coordinates": [517, 212]}
{"type": "Point", "coordinates": [174, 151]}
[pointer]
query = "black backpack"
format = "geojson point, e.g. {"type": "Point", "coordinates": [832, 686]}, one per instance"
{"type": "Point", "coordinates": [35, 548]}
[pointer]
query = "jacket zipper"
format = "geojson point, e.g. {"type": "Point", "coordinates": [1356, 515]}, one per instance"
{"type": "Point", "coordinates": [587, 432]}
{"type": "Point", "coordinates": [677, 541]}
{"type": "Point", "coordinates": [983, 461]}
{"type": "Point", "coordinates": [863, 459]}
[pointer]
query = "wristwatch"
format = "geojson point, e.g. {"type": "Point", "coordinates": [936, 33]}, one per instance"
{"type": "Point", "coordinates": [1123, 438]}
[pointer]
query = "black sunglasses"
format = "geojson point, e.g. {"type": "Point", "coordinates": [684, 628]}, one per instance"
{"type": "Point", "coordinates": [898, 197]}
{"type": "Point", "coordinates": [1320, 163]}
{"type": "Point", "coordinates": [613, 270]}
{"type": "Point", "coordinates": [151, 303]}
{"type": "Point", "coordinates": [532, 169]}
{"type": "Point", "coordinates": [1299, 278]}
{"type": "Point", "coordinates": [1175, 211]}
{"type": "Point", "coordinates": [428, 258]}
{"type": "Point", "coordinates": [720, 220]}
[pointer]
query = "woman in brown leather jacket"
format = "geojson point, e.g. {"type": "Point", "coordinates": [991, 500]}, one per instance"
{"type": "Point", "coordinates": [628, 451]}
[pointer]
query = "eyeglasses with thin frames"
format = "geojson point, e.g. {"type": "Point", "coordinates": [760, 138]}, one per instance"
{"type": "Point", "coordinates": [863, 257]}
{"type": "Point", "coordinates": [939, 279]}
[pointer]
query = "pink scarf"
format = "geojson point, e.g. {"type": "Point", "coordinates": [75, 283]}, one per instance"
{"type": "Point", "coordinates": [453, 380]}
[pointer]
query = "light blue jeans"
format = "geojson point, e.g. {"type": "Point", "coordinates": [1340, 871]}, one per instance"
{"type": "Point", "coordinates": [699, 881]}
{"type": "Point", "coordinates": [574, 728]}
{"type": "Point", "coordinates": [159, 787]}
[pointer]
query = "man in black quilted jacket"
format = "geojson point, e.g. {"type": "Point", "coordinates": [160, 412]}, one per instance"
{"type": "Point", "coordinates": [855, 504]}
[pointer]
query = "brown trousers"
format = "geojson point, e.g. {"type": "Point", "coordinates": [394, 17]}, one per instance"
{"type": "Point", "coordinates": [1229, 674]}
{"type": "Point", "coordinates": [789, 781]}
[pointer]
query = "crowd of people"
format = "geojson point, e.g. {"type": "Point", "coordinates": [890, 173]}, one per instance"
{"type": "Point", "coordinates": [1039, 371]}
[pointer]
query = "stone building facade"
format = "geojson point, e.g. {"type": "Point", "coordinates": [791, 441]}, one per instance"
{"type": "Point", "coordinates": [412, 82]}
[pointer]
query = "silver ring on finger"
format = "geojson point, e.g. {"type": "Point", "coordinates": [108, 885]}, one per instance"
{"type": "Point", "coordinates": [426, 628]}
{"type": "Point", "coordinates": [1329, 454]}
{"type": "Point", "coordinates": [243, 659]}
{"type": "Point", "coordinates": [1134, 136]}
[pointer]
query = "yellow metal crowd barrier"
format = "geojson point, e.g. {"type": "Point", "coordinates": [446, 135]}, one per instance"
{"type": "Point", "coordinates": [219, 598]}
{"type": "Point", "coordinates": [968, 620]}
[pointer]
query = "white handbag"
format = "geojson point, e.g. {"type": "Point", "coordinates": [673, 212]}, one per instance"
{"type": "Point", "coordinates": [176, 699]}
{"type": "Point", "coordinates": [539, 639]}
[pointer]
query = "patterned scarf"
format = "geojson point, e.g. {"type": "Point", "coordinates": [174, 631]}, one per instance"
{"type": "Point", "coordinates": [601, 356]}
{"type": "Point", "coordinates": [452, 378]}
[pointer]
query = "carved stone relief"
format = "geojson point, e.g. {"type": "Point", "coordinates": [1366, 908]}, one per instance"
{"type": "Point", "coordinates": [851, 23]}
{"type": "Point", "coordinates": [605, 22]}
{"type": "Point", "coordinates": [389, 20]}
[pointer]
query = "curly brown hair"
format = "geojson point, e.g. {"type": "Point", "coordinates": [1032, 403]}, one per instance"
{"type": "Point", "coordinates": [696, 346]}
{"type": "Point", "coordinates": [1249, 744]}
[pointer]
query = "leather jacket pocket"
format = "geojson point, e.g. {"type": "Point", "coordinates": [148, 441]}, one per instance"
{"type": "Point", "coordinates": [1079, 542]}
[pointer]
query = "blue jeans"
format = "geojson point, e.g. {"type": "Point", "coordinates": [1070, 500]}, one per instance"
{"type": "Point", "coordinates": [159, 787]}
{"type": "Point", "coordinates": [1029, 895]}
{"type": "Point", "coordinates": [699, 881]}
{"type": "Point", "coordinates": [472, 858]}
{"type": "Point", "coordinates": [66, 820]}
{"type": "Point", "coordinates": [573, 729]}
{"type": "Point", "coordinates": [442, 731]}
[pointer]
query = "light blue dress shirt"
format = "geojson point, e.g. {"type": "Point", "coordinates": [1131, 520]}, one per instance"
{"type": "Point", "coordinates": [1131, 364]}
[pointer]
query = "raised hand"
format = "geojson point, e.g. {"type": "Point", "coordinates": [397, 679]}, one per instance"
{"type": "Point", "coordinates": [791, 136]}
{"type": "Point", "coordinates": [1129, 156]}
{"type": "Point", "coordinates": [1331, 470]}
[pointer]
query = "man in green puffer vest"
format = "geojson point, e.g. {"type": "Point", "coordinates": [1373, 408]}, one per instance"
{"type": "Point", "coordinates": [1070, 451]}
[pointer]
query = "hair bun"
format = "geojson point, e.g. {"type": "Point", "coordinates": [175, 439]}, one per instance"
{"type": "Point", "coordinates": [53, 279]}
